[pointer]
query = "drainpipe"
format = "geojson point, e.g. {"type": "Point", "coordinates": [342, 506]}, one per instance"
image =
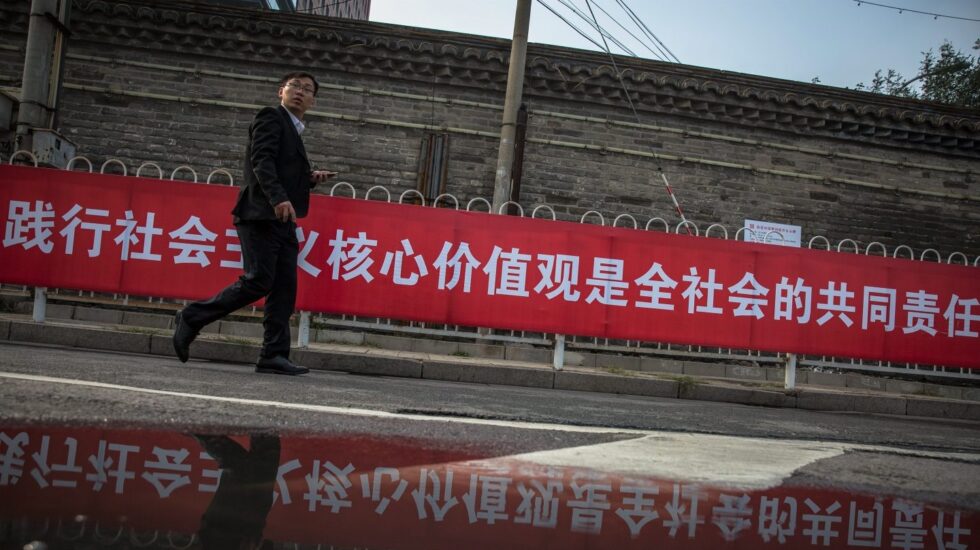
{"type": "Point", "coordinates": [520, 139]}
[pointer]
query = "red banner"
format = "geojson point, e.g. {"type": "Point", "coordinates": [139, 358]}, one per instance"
{"type": "Point", "coordinates": [369, 492]}
{"type": "Point", "coordinates": [147, 237]}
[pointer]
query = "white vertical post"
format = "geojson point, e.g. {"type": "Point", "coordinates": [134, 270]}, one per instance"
{"type": "Point", "coordinates": [790, 381]}
{"type": "Point", "coordinates": [303, 338]}
{"type": "Point", "coordinates": [40, 304]}
{"type": "Point", "coordinates": [559, 359]}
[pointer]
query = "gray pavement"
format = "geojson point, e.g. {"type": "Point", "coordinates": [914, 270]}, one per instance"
{"type": "Point", "coordinates": [49, 383]}
{"type": "Point", "coordinates": [119, 331]}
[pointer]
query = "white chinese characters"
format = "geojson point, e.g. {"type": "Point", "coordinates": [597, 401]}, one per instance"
{"type": "Point", "coordinates": [632, 290]}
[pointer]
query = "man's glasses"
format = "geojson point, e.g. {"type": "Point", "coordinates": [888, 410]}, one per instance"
{"type": "Point", "coordinates": [299, 86]}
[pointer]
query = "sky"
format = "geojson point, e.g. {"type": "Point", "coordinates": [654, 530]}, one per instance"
{"type": "Point", "coordinates": [838, 41]}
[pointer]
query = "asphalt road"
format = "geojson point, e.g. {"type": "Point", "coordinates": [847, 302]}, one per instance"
{"type": "Point", "coordinates": [931, 459]}
{"type": "Point", "coordinates": [58, 402]}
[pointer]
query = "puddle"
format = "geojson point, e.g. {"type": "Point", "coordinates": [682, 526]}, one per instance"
{"type": "Point", "coordinates": [86, 487]}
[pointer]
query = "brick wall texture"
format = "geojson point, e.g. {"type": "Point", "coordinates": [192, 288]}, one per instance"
{"type": "Point", "coordinates": [177, 83]}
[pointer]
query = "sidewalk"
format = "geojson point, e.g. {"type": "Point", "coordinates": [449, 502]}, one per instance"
{"type": "Point", "coordinates": [94, 328]}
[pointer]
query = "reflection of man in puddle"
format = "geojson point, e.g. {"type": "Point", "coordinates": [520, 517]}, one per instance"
{"type": "Point", "coordinates": [238, 511]}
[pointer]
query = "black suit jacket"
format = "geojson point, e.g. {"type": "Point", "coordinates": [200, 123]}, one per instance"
{"type": "Point", "coordinates": [276, 168]}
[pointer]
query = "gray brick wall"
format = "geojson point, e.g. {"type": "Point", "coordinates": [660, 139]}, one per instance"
{"type": "Point", "coordinates": [161, 112]}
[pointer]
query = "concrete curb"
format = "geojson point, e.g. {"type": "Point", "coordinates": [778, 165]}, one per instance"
{"type": "Point", "coordinates": [360, 363]}
{"type": "Point", "coordinates": [80, 337]}
{"type": "Point", "coordinates": [402, 364]}
{"type": "Point", "coordinates": [735, 394]}
{"type": "Point", "coordinates": [851, 402]}
{"type": "Point", "coordinates": [941, 408]}
{"type": "Point", "coordinates": [450, 371]}
{"type": "Point", "coordinates": [608, 383]}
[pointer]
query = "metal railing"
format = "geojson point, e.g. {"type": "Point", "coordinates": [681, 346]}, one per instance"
{"type": "Point", "coordinates": [87, 532]}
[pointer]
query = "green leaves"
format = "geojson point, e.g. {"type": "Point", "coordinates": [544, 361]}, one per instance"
{"type": "Point", "coordinates": [952, 77]}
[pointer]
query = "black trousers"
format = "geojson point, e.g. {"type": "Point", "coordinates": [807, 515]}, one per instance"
{"type": "Point", "coordinates": [240, 507]}
{"type": "Point", "coordinates": [269, 253]}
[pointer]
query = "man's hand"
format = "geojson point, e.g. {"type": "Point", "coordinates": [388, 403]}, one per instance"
{"type": "Point", "coordinates": [285, 212]}
{"type": "Point", "coordinates": [320, 176]}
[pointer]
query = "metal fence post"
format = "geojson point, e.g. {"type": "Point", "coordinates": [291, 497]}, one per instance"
{"type": "Point", "coordinates": [559, 359]}
{"type": "Point", "coordinates": [790, 382]}
{"type": "Point", "coordinates": [303, 338]}
{"type": "Point", "coordinates": [40, 304]}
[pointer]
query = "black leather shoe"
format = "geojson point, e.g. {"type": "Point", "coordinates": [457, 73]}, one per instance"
{"type": "Point", "coordinates": [279, 365]}
{"type": "Point", "coordinates": [183, 336]}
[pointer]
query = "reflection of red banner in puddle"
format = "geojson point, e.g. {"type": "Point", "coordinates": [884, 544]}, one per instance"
{"type": "Point", "coordinates": [144, 237]}
{"type": "Point", "coordinates": [351, 491]}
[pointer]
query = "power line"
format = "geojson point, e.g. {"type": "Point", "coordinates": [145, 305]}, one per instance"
{"type": "Point", "coordinates": [643, 26]}
{"type": "Point", "coordinates": [601, 30]}
{"type": "Point", "coordinates": [312, 8]}
{"type": "Point", "coordinates": [570, 24]}
{"type": "Point", "coordinates": [902, 10]}
{"type": "Point", "coordinates": [664, 54]}
{"type": "Point", "coordinates": [639, 24]}
{"type": "Point", "coordinates": [637, 38]}
{"type": "Point", "coordinates": [612, 59]}
{"type": "Point", "coordinates": [636, 115]}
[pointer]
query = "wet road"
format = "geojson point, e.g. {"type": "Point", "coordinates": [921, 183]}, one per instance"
{"type": "Point", "coordinates": [496, 443]}
{"type": "Point", "coordinates": [202, 379]}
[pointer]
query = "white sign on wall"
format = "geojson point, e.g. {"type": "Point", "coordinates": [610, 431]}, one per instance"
{"type": "Point", "coordinates": [772, 233]}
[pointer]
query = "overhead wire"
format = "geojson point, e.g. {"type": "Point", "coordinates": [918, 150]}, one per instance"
{"type": "Point", "coordinates": [643, 27]}
{"type": "Point", "coordinates": [661, 53]}
{"type": "Point", "coordinates": [570, 24]}
{"type": "Point", "coordinates": [597, 27]}
{"type": "Point", "coordinates": [636, 115]}
{"type": "Point", "coordinates": [901, 10]}
{"type": "Point", "coordinates": [312, 9]}
{"type": "Point", "coordinates": [612, 59]}
{"type": "Point", "coordinates": [639, 25]}
{"type": "Point", "coordinates": [637, 38]}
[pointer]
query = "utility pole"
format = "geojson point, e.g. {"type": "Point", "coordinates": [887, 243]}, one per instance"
{"type": "Point", "coordinates": [39, 91]}
{"type": "Point", "coordinates": [512, 102]}
{"type": "Point", "coordinates": [47, 38]}
{"type": "Point", "coordinates": [34, 109]}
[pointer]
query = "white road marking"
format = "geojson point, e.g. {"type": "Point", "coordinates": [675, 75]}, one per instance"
{"type": "Point", "coordinates": [717, 459]}
{"type": "Point", "coordinates": [349, 411]}
{"type": "Point", "coordinates": [721, 461]}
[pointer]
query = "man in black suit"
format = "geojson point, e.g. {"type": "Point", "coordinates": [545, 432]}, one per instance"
{"type": "Point", "coordinates": [276, 192]}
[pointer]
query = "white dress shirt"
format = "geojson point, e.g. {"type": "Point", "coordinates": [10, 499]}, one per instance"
{"type": "Point", "coordinates": [297, 123]}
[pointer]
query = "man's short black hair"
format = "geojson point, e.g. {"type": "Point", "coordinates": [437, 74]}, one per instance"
{"type": "Point", "coordinates": [300, 74]}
